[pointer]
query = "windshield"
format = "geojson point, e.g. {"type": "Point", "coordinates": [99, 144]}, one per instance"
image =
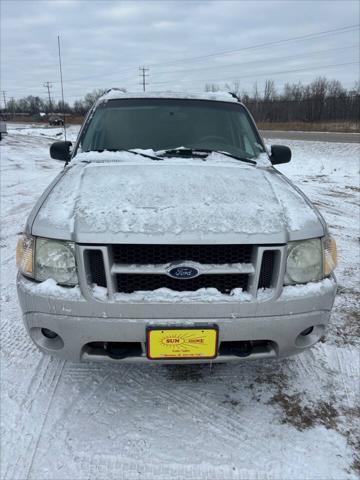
{"type": "Point", "coordinates": [165, 124]}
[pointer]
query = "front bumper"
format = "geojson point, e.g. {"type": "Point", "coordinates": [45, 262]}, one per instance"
{"type": "Point", "coordinates": [273, 325]}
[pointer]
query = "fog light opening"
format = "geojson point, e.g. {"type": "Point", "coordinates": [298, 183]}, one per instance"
{"type": "Point", "coordinates": [307, 331]}
{"type": "Point", "coordinates": [46, 338]}
{"type": "Point", "coordinates": [49, 333]}
{"type": "Point", "coordinates": [309, 336]}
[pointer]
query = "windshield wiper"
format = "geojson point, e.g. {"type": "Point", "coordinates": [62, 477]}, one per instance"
{"type": "Point", "coordinates": [184, 152]}
{"type": "Point", "coordinates": [190, 152]}
{"type": "Point", "coordinates": [152, 157]}
{"type": "Point", "coordinates": [241, 159]}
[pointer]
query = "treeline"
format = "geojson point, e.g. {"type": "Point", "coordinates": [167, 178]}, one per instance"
{"type": "Point", "coordinates": [34, 105]}
{"type": "Point", "coordinates": [321, 100]}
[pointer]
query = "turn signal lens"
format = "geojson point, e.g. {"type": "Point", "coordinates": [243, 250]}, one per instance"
{"type": "Point", "coordinates": [330, 255]}
{"type": "Point", "coordinates": [24, 255]}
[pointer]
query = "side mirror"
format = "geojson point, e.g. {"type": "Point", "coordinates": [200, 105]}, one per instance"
{"type": "Point", "coordinates": [60, 151]}
{"type": "Point", "coordinates": [280, 154]}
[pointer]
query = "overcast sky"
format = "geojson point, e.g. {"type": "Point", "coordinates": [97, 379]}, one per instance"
{"type": "Point", "coordinates": [105, 42]}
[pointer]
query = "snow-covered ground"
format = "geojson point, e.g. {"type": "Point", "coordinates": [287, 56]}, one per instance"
{"type": "Point", "coordinates": [294, 419]}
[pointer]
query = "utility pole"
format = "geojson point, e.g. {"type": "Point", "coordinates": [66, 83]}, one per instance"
{"type": "Point", "coordinates": [48, 85]}
{"type": "Point", "coordinates": [4, 97]}
{"type": "Point", "coordinates": [143, 74]}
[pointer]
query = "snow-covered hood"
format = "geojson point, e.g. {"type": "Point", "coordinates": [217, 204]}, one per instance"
{"type": "Point", "coordinates": [131, 199]}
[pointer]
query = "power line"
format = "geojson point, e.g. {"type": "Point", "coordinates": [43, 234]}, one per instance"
{"type": "Point", "coordinates": [336, 31]}
{"type": "Point", "coordinates": [266, 44]}
{"type": "Point", "coordinates": [132, 77]}
{"type": "Point", "coordinates": [260, 74]}
{"type": "Point", "coordinates": [271, 59]}
{"type": "Point", "coordinates": [143, 73]}
{"type": "Point", "coordinates": [103, 75]}
{"type": "Point", "coordinates": [261, 61]}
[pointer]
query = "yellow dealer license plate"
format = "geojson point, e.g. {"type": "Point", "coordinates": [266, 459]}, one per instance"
{"type": "Point", "coordinates": [185, 343]}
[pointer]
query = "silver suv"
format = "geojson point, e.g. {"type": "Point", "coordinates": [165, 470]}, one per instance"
{"type": "Point", "coordinates": [170, 237]}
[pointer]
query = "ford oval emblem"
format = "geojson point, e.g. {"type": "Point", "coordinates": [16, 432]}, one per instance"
{"type": "Point", "coordinates": [183, 272]}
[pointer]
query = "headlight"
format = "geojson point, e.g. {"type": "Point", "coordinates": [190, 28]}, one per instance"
{"type": "Point", "coordinates": [43, 258]}
{"type": "Point", "coordinates": [55, 259]}
{"type": "Point", "coordinates": [304, 262]}
{"type": "Point", "coordinates": [310, 260]}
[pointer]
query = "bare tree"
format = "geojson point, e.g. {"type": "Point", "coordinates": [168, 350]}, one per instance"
{"type": "Point", "coordinates": [256, 95]}
{"type": "Point", "coordinates": [321, 100]}
{"type": "Point", "coordinates": [269, 90]}
{"type": "Point", "coordinates": [234, 88]}
{"type": "Point", "coordinates": [212, 87]}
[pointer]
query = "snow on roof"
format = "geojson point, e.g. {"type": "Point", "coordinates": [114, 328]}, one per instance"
{"type": "Point", "coordinates": [217, 96]}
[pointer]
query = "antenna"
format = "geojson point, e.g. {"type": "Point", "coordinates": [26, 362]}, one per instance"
{"type": "Point", "coordinates": [62, 88]}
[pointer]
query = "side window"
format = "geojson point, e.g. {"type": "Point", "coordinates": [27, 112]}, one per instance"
{"type": "Point", "coordinates": [248, 147]}
{"type": "Point", "coordinates": [90, 140]}
{"type": "Point", "coordinates": [250, 141]}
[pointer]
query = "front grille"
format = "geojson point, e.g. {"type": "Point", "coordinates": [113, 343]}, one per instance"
{"type": "Point", "coordinates": [267, 269]}
{"type": "Point", "coordinates": [162, 254]}
{"type": "Point", "coordinates": [128, 283]}
{"type": "Point", "coordinates": [131, 267]}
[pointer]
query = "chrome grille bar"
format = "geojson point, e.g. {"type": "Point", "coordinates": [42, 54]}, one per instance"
{"type": "Point", "coordinates": [202, 268]}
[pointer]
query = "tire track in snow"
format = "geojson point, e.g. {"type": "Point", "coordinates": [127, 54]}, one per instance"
{"type": "Point", "coordinates": [230, 427]}
{"type": "Point", "coordinates": [310, 368]}
{"type": "Point", "coordinates": [55, 382]}
{"type": "Point", "coordinates": [149, 385]}
{"type": "Point", "coordinates": [224, 421]}
{"type": "Point", "coordinates": [348, 369]}
{"type": "Point", "coordinates": [14, 339]}
{"type": "Point", "coordinates": [96, 375]}
{"type": "Point", "coordinates": [89, 380]}
{"type": "Point", "coordinates": [38, 397]}
{"type": "Point", "coordinates": [138, 385]}
{"type": "Point", "coordinates": [110, 467]}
